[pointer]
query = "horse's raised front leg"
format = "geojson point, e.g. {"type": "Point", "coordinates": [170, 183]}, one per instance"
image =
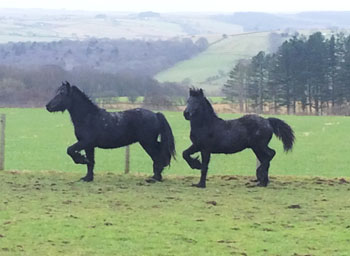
{"type": "Point", "coordinates": [204, 169]}
{"type": "Point", "coordinates": [194, 163]}
{"type": "Point", "coordinates": [74, 152]}
{"type": "Point", "coordinates": [90, 155]}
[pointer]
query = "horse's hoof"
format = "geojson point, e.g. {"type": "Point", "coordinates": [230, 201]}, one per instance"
{"type": "Point", "coordinates": [87, 179]}
{"type": "Point", "coordinates": [199, 185]}
{"type": "Point", "coordinates": [262, 184]}
{"type": "Point", "coordinates": [81, 161]}
{"type": "Point", "coordinates": [153, 179]}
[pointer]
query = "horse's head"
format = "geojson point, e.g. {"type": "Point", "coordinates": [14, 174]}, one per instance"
{"type": "Point", "coordinates": [195, 104]}
{"type": "Point", "coordinates": [62, 99]}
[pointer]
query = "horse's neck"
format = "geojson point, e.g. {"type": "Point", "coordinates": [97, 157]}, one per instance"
{"type": "Point", "coordinates": [80, 109]}
{"type": "Point", "coordinates": [204, 121]}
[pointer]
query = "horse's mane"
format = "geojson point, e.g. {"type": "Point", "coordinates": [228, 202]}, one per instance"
{"type": "Point", "coordinates": [194, 92]}
{"type": "Point", "coordinates": [86, 98]}
{"type": "Point", "coordinates": [210, 108]}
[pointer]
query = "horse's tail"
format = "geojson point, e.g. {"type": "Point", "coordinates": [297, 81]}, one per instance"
{"type": "Point", "coordinates": [284, 132]}
{"type": "Point", "coordinates": [167, 142]}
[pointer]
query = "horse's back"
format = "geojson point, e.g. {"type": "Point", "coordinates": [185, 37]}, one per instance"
{"type": "Point", "coordinates": [118, 129]}
{"type": "Point", "coordinates": [258, 128]}
{"type": "Point", "coordinates": [141, 122]}
{"type": "Point", "coordinates": [231, 136]}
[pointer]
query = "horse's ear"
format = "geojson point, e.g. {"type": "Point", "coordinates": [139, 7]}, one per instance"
{"type": "Point", "coordinates": [196, 92]}
{"type": "Point", "coordinates": [67, 84]}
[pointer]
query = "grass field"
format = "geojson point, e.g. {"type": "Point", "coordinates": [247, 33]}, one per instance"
{"type": "Point", "coordinates": [217, 60]}
{"type": "Point", "coordinates": [37, 140]}
{"type": "Point", "coordinates": [44, 211]}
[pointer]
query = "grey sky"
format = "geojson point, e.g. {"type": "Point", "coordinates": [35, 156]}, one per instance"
{"type": "Point", "coordinates": [183, 5]}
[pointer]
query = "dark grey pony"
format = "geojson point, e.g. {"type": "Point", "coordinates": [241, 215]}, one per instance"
{"type": "Point", "coordinates": [95, 127]}
{"type": "Point", "coordinates": [211, 134]}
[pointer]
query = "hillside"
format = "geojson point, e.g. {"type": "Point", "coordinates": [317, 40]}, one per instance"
{"type": "Point", "coordinates": [257, 21]}
{"type": "Point", "coordinates": [51, 25]}
{"type": "Point", "coordinates": [209, 69]}
{"type": "Point", "coordinates": [160, 44]}
{"type": "Point", "coordinates": [106, 55]}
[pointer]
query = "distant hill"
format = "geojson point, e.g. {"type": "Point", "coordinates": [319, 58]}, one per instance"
{"type": "Point", "coordinates": [19, 25]}
{"type": "Point", "coordinates": [210, 68]}
{"type": "Point", "coordinates": [328, 19]}
{"type": "Point", "coordinates": [105, 55]}
{"type": "Point", "coordinates": [258, 21]}
{"type": "Point", "coordinates": [193, 48]}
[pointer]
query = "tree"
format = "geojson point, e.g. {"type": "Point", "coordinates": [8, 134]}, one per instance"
{"type": "Point", "coordinates": [257, 81]}
{"type": "Point", "coordinates": [235, 86]}
{"type": "Point", "coordinates": [316, 65]}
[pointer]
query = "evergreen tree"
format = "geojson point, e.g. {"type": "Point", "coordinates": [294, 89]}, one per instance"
{"type": "Point", "coordinates": [235, 86]}
{"type": "Point", "coordinates": [316, 65]}
{"type": "Point", "coordinates": [309, 72]}
{"type": "Point", "coordinates": [257, 81]}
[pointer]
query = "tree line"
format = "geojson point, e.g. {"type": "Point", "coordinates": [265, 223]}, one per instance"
{"type": "Point", "coordinates": [31, 71]}
{"type": "Point", "coordinates": [104, 55]}
{"type": "Point", "coordinates": [34, 87]}
{"type": "Point", "coordinates": [310, 75]}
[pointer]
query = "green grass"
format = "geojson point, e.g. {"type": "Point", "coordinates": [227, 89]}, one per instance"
{"type": "Point", "coordinates": [44, 213]}
{"type": "Point", "coordinates": [220, 57]}
{"type": "Point", "coordinates": [37, 140]}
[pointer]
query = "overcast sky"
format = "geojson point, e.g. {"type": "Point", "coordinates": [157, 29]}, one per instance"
{"type": "Point", "coordinates": [183, 5]}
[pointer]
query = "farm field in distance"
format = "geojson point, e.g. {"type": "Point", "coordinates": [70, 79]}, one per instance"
{"type": "Point", "coordinates": [209, 69]}
{"type": "Point", "coordinates": [45, 211]}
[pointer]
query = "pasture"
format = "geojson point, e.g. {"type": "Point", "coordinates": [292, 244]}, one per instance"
{"type": "Point", "coordinates": [44, 211]}
{"type": "Point", "coordinates": [210, 68]}
{"type": "Point", "coordinates": [37, 140]}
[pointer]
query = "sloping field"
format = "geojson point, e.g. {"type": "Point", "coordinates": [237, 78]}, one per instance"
{"type": "Point", "coordinates": [209, 69]}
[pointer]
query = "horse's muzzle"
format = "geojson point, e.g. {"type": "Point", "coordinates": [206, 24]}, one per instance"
{"type": "Point", "coordinates": [187, 115]}
{"type": "Point", "coordinates": [48, 108]}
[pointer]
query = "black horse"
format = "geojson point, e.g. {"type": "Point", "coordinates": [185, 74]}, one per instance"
{"type": "Point", "coordinates": [211, 134]}
{"type": "Point", "coordinates": [95, 127]}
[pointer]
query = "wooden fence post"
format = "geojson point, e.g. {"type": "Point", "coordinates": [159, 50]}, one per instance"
{"type": "Point", "coordinates": [2, 141]}
{"type": "Point", "coordinates": [127, 159]}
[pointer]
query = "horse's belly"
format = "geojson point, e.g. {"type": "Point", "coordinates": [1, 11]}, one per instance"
{"type": "Point", "coordinates": [116, 141]}
{"type": "Point", "coordinates": [228, 146]}
{"type": "Point", "coordinates": [230, 150]}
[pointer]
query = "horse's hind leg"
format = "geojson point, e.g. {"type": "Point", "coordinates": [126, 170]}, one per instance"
{"type": "Point", "coordinates": [264, 155]}
{"type": "Point", "coordinates": [153, 150]}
